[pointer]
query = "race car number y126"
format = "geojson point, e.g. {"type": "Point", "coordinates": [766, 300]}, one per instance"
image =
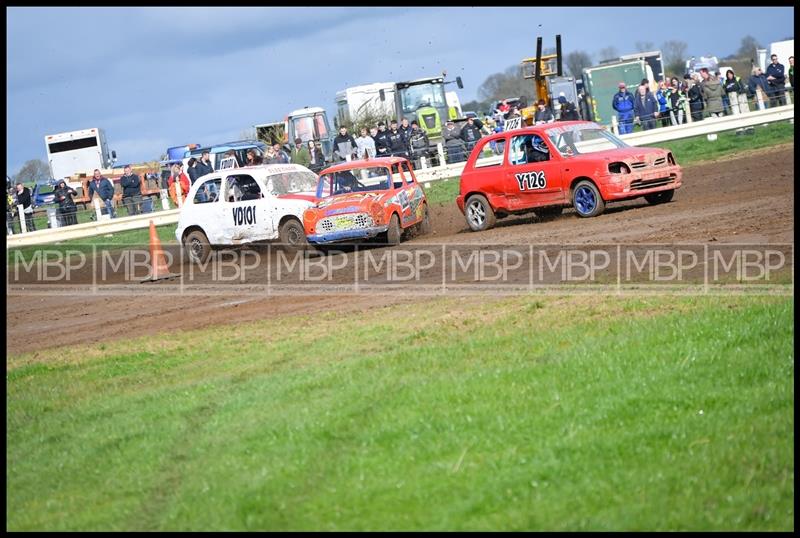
{"type": "Point", "coordinates": [244, 215]}
{"type": "Point", "coordinates": [531, 181]}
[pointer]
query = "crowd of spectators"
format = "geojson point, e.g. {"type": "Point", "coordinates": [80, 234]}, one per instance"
{"type": "Point", "coordinates": [697, 95]}
{"type": "Point", "coordinates": [706, 93]}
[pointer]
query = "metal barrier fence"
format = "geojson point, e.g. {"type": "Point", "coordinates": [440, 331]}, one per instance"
{"type": "Point", "coordinates": [101, 224]}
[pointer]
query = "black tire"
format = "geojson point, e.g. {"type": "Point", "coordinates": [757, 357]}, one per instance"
{"type": "Point", "coordinates": [550, 212]}
{"type": "Point", "coordinates": [586, 199]}
{"type": "Point", "coordinates": [293, 236]}
{"type": "Point", "coordinates": [395, 233]}
{"type": "Point", "coordinates": [479, 214]}
{"type": "Point", "coordinates": [425, 225]}
{"type": "Point", "coordinates": [660, 197]}
{"type": "Point", "coordinates": [198, 249]}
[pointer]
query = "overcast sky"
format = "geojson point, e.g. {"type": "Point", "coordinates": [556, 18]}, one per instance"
{"type": "Point", "coordinates": [160, 77]}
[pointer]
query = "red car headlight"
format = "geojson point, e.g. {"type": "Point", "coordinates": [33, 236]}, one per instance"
{"type": "Point", "coordinates": [619, 168]}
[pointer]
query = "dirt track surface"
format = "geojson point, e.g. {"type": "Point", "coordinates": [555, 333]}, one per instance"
{"type": "Point", "coordinates": [737, 200]}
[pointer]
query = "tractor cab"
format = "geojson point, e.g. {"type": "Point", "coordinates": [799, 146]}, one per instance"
{"type": "Point", "coordinates": [425, 101]}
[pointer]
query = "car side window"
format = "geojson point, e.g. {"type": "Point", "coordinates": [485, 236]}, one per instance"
{"type": "Point", "coordinates": [527, 149]}
{"type": "Point", "coordinates": [497, 146]}
{"type": "Point", "coordinates": [208, 192]}
{"type": "Point", "coordinates": [242, 187]}
{"type": "Point", "coordinates": [406, 172]}
{"type": "Point", "coordinates": [397, 176]}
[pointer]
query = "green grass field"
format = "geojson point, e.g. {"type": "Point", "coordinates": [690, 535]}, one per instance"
{"type": "Point", "coordinates": [557, 413]}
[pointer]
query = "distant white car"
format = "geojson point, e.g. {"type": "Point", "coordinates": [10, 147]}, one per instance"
{"type": "Point", "coordinates": [243, 205]}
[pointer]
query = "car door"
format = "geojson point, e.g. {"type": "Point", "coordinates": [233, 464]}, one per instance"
{"type": "Point", "coordinates": [205, 210]}
{"type": "Point", "coordinates": [244, 209]}
{"type": "Point", "coordinates": [532, 176]}
{"type": "Point", "coordinates": [413, 196]}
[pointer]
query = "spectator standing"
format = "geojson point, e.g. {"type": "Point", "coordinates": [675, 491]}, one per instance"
{"type": "Point", "coordinates": [192, 169]}
{"type": "Point", "coordinates": [677, 97]}
{"type": "Point", "coordinates": [344, 145]}
{"type": "Point", "coordinates": [204, 166]}
{"type": "Point", "coordinates": [281, 156]}
{"type": "Point", "coordinates": [105, 190]}
{"type": "Point", "coordinates": [382, 141]}
{"type": "Point", "coordinates": [645, 108]}
{"type": "Point", "coordinates": [791, 72]}
{"type": "Point", "coordinates": [776, 79]}
{"type": "Point", "coordinates": [664, 103]}
{"type": "Point", "coordinates": [568, 110]}
{"type": "Point", "coordinates": [24, 199]}
{"type": "Point", "coordinates": [397, 145]}
{"type": "Point", "coordinates": [183, 179]}
{"type": "Point", "coordinates": [365, 144]}
{"type": "Point", "coordinates": [623, 104]}
{"type": "Point", "coordinates": [758, 85]}
{"type": "Point", "coordinates": [405, 130]}
{"type": "Point", "coordinates": [317, 159]}
{"type": "Point", "coordinates": [300, 154]}
{"type": "Point", "coordinates": [470, 134]}
{"type": "Point", "coordinates": [418, 143]}
{"type": "Point", "coordinates": [695, 96]}
{"type": "Point", "coordinates": [132, 190]}
{"type": "Point", "coordinates": [712, 93]}
{"type": "Point", "coordinates": [456, 150]}
{"type": "Point", "coordinates": [66, 205]}
{"type": "Point", "coordinates": [9, 214]}
{"type": "Point", "coordinates": [543, 113]}
{"type": "Point", "coordinates": [732, 85]}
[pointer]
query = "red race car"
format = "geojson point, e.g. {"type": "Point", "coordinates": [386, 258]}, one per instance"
{"type": "Point", "coordinates": [364, 199]}
{"type": "Point", "coordinates": [546, 167]}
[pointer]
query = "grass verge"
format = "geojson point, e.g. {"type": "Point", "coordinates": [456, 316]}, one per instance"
{"type": "Point", "coordinates": [526, 413]}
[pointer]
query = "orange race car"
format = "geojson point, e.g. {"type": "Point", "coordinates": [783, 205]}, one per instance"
{"type": "Point", "coordinates": [367, 198]}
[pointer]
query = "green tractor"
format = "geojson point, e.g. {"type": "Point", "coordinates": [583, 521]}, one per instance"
{"type": "Point", "coordinates": [424, 100]}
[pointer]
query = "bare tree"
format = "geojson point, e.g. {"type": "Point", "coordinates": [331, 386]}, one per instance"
{"type": "Point", "coordinates": [247, 134]}
{"type": "Point", "coordinates": [577, 61]}
{"type": "Point", "coordinates": [674, 54]}
{"type": "Point", "coordinates": [608, 53]}
{"type": "Point", "coordinates": [33, 171]}
{"type": "Point", "coordinates": [748, 47]}
{"type": "Point", "coordinates": [509, 83]}
{"type": "Point", "coordinates": [645, 46]}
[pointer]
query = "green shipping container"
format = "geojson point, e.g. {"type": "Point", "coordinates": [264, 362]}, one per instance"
{"type": "Point", "coordinates": [602, 82]}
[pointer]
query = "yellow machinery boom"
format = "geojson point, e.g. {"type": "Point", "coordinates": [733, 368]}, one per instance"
{"type": "Point", "coordinates": [540, 68]}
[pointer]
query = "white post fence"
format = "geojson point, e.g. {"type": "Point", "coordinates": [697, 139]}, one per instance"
{"type": "Point", "coordinates": [23, 226]}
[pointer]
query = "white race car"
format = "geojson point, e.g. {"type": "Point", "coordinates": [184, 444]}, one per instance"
{"type": "Point", "coordinates": [243, 205]}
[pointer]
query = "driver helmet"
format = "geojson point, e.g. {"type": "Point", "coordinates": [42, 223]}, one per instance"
{"type": "Point", "coordinates": [539, 145]}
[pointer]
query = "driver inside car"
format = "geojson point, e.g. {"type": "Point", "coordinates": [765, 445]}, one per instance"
{"type": "Point", "coordinates": [536, 150]}
{"type": "Point", "coordinates": [346, 182]}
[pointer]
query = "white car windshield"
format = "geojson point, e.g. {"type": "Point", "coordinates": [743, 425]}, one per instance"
{"type": "Point", "coordinates": [292, 182]}
{"type": "Point", "coordinates": [572, 140]}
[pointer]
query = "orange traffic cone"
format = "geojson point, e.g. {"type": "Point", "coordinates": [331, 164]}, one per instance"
{"type": "Point", "coordinates": [158, 262]}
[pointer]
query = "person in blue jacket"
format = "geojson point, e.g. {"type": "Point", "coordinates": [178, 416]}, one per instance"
{"type": "Point", "coordinates": [645, 107]}
{"type": "Point", "coordinates": [105, 190]}
{"type": "Point", "coordinates": [662, 96]}
{"type": "Point", "coordinates": [623, 104]}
